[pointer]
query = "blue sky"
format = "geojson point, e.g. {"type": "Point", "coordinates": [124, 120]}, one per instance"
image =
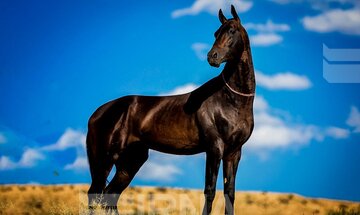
{"type": "Point", "coordinates": [60, 61]}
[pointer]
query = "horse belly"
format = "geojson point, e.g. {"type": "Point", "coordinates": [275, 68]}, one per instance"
{"type": "Point", "coordinates": [178, 148]}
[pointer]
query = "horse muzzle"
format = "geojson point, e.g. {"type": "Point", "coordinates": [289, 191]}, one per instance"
{"type": "Point", "coordinates": [213, 58]}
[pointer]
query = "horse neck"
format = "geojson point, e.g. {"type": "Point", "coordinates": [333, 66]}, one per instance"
{"type": "Point", "coordinates": [239, 73]}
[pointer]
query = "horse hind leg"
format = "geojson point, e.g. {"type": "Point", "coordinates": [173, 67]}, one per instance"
{"type": "Point", "coordinates": [128, 164]}
{"type": "Point", "coordinates": [100, 167]}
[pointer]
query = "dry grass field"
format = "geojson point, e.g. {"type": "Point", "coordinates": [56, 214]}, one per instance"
{"type": "Point", "coordinates": [71, 199]}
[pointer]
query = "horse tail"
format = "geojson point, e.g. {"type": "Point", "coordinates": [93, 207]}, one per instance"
{"type": "Point", "coordinates": [93, 147]}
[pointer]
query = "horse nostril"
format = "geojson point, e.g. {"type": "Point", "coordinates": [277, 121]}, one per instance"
{"type": "Point", "coordinates": [214, 55]}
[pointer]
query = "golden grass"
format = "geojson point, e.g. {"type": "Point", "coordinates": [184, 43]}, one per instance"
{"type": "Point", "coordinates": [72, 199]}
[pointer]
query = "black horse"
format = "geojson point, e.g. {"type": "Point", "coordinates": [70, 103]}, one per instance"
{"type": "Point", "coordinates": [216, 118]}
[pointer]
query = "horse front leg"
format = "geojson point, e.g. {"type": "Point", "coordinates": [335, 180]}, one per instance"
{"type": "Point", "coordinates": [230, 165]}
{"type": "Point", "coordinates": [213, 158]}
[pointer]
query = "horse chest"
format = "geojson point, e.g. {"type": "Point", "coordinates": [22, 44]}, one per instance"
{"type": "Point", "coordinates": [234, 130]}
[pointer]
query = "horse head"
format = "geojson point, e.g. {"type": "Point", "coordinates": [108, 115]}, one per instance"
{"type": "Point", "coordinates": [229, 40]}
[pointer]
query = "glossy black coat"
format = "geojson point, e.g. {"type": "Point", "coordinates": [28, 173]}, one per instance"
{"type": "Point", "coordinates": [211, 119]}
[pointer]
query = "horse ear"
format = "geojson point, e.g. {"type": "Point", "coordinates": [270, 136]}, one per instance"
{"type": "Point", "coordinates": [234, 13]}
{"type": "Point", "coordinates": [222, 18]}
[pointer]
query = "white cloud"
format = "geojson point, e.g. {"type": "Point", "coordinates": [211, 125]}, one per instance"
{"type": "Point", "coordinates": [212, 7]}
{"type": "Point", "coordinates": [162, 167]}
{"type": "Point", "coordinates": [318, 4]}
{"type": "Point", "coordinates": [80, 163]}
{"type": "Point", "coordinates": [2, 138]}
{"type": "Point", "coordinates": [269, 26]}
{"type": "Point", "coordinates": [263, 117]}
{"type": "Point", "coordinates": [337, 133]}
{"type": "Point", "coordinates": [346, 21]}
{"type": "Point", "coordinates": [260, 104]}
{"type": "Point", "coordinates": [200, 50]}
{"type": "Point", "coordinates": [270, 136]}
{"type": "Point", "coordinates": [6, 163]}
{"type": "Point", "coordinates": [181, 89]}
{"type": "Point", "coordinates": [283, 81]}
{"type": "Point", "coordinates": [336, 20]}
{"type": "Point", "coordinates": [354, 119]}
{"type": "Point", "coordinates": [265, 39]}
{"type": "Point", "coordinates": [285, 1]}
{"type": "Point", "coordinates": [29, 158]}
{"type": "Point", "coordinates": [70, 139]}
{"type": "Point", "coordinates": [273, 131]}
{"type": "Point", "coordinates": [162, 172]}
{"type": "Point", "coordinates": [266, 33]}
